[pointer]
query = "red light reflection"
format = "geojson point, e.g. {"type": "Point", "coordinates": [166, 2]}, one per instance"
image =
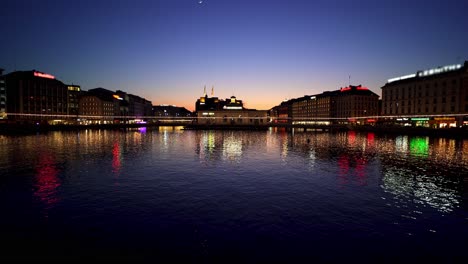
{"type": "Point", "coordinates": [116, 161]}
{"type": "Point", "coordinates": [361, 171]}
{"type": "Point", "coordinates": [47, 180]}
{"type": "Point", "coordinates": [351, 170]}
{"type": "Point", "coordinates": [370, 139]}
{"type": "Point", "coordinates": [351, 137]}
{"type": "Point", "coordinates": [343, 164]}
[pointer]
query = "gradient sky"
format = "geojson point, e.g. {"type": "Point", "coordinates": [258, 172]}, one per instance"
{"type": "Point", "coordinates": [258, 50]}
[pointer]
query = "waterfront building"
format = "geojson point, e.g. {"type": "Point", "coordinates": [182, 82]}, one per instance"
{"type": "Point", "coordinates": [104, 106]}
{"type": "Point", "coordinates": [233, 104]}
{"type": "Point", "coordinates": [355, 103]}
{"type": "Point", "coordinates": [123, 104]}
{"type": "Point", "coordinates": [232, 113]}
{"type": "Point", "coordinates": [98, 106]}
{"type": "Point", "coordinates": [74, 92]}
{"type": "Point", "coordinates": [435, 97]}
{"type": "Point", "coordinates": [208, 103]}
{"type": "Point", "coordinates": [134, 106]}
{"type": "Point", "coordinates": [33, 97]}
{"type": "Point", "coordinates": [171, 114]}
{"type": "Point", "coordinates": [280, 114]}
{"type": "Point", "coordinates": [314, 109]}
{"type": "Point", "coordinates": [348, 105]}
{"type": "Point", "coordinates": [170, 111]}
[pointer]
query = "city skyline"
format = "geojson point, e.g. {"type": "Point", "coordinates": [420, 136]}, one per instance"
{"type": "Point", "coordinates": [260, 51]}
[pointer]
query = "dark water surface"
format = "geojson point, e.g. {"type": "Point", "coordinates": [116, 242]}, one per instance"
{"type": "Point", "coordinates": [171, 195]}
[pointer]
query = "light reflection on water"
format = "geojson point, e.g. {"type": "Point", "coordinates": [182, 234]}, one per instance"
{"type": "Point", "coordinates": [290, 189]}
{"type": "Point", "coordinates": [47, 181]}
{"type": "Point", "coordinates": [432, 191]}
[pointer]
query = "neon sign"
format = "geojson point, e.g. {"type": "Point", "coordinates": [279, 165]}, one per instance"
{"type": "Point", "coordinates": [401, 78]}
{"type": "Point", "coordinates": [345, 89]}
{"type": "Point", "coordinates": [361, 88]}
{"type": "Point", "coordinates": [444, 118]}
{"type": "Point", "coordinates": [440, 70]}
{"type": "Point", "coordinates": [44, 75]}
{"type": "Point", "coordinates": [427, 72]}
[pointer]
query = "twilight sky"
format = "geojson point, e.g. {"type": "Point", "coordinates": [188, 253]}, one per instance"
{"type": "Point", "coordinates": [261, 51]}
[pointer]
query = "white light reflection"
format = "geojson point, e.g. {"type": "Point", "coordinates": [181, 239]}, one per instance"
{"type": "Point", "coordinates": [207, 145]}
{"type": "Point", "coordinates": [401, 144]}
{"type": "Point", "coordinates": [409, 187]}
{"type": "Point", "coordinates": [232, 148]}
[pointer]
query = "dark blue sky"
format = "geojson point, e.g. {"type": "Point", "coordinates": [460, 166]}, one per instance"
{"type": "Point", "coordinates": [261, 51]}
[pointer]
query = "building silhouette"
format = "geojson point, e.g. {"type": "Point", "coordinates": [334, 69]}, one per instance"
{"type": "Point", "coordinates": [170, 111]}
{"type": "Point", "coordinates": [208, 103]}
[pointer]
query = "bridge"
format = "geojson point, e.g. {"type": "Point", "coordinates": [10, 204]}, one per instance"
{"type": "Point", "coordinates": [200, 122]}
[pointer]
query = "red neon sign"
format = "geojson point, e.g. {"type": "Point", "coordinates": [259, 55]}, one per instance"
{"type": "Point", "coordinates": [345, 89]}
{"type": "Point", "coordinates": [357, 88]}
{"type": "Point", "coordinates": [44, 75]}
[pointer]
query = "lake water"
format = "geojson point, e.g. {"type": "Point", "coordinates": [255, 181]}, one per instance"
{"type": "Point", "coordinates": [166, 194]}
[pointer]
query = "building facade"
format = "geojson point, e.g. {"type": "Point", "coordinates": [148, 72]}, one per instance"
{"type": "Point", "coordinates": [33, 97]}
{"type": "Point", "coordinates": [281, 113]}
{"type": "Point", "coordinates": [348, 105]}
{"type": "Point", "coordinates": [356, 102]}
{"type": "Point", "coordinates": [98, 106]}
{"type": "Point", "coordinates": [316, 109]}
{"type": "Point", "coordinates": [135, 106]}
{"type": "Point", "coordinates": [243, 117]}
{"type": "Point", "coordinates": [435, 97]}
{"type": "Point", "coordinates": [209, 103]}
{"type": "Point", "coordinates": [232, 113]}
{"type": "Point", "coordinates": [74, 92]}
